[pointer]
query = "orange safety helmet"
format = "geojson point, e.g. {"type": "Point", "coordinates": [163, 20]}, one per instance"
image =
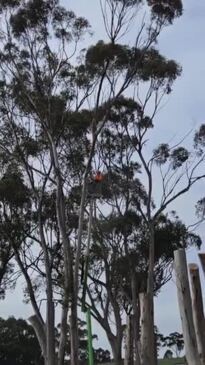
{"type": "Point", "coordinates": [98, 177]}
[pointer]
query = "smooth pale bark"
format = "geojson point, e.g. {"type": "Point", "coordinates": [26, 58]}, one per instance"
{"type": "Point", "coordinates": [50, 311]}
{"type": "Point", "coordinates": [202, 259]}
{"type": "Point", "coordinates": [81, 214]}
{"type": "Point", "coordinates": [69, 292]}
{"type": "Point", "coordinates": [68, 276]}
{"type": "Point", "coordinates": [63, 334]}
{"type": "Point", "coordinates": [185, 307]}
{"type": "Point", "coordinates": [74, 308]}
{"type": "Point", "coordinates": [40, 333]}
{"type": "Point", "coordinates": [198, 311]}
{"type": "Point", "coordinates": [36, 320]}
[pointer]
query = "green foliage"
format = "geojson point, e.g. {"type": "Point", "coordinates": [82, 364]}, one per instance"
{"type": "Point", "coordinates": [139, 63]}
{"type": "Point", "coordinates": [174, 341]}
{"type": "Point", "coordinates": [36, 14]}
{"type": "Point", "coordinates": [153, 65]}
{"type": "Point", "coordinates": [12, 188]}
{"type": "Point", "coordinates": [171, 361]}
{"type": "Point", "coordinates": [177, 157]}
{"type": "Point", "coordinates": [199, 138]}
{"type": "Point", "coordinates": [52, 107]}
{"type": "Point", "coordinates": [161, 154]}
{"type": "Point", "coordinates": [7, 266]}
{"type": "Point", "coordinates": [101, 55]}
{"type": "Point", "coordinates": [32, 15]}
{"type": "Point", "coordinates": [200, 208]}
{"type": "Point", "coordinates": [132, 256]}
{"type": "Point", "coordinates": [9, 3]}
{"type": "Point", "coordinates": [100, 355]}
{"type": "Point", "coordinates": [29, 146]}
{"type": "Point", "coordinates": [166, 9]}
{"type": "Point", "coordinates": [127, 3]}
{"type": "Point", "coordinates": [19, 345]}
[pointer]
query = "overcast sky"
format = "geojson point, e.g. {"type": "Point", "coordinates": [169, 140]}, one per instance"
{"type": "Point", "coordinates": [184, 42]}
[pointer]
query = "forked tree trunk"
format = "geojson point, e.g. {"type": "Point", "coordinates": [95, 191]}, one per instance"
{"type": "Point", "coordinates": [185, 306]}
{"type": "Point", "coordinates": [70, 292]}
{"type": "Point", "coordinates": [198, 311]}
{"type": "Point", "coordinates": [116, 346]}
{"type": "Point", "coordinates": [36, 320]}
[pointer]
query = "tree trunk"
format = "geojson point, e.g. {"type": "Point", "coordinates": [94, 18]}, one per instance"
{"type": "Point", "coordinates": [40, 333]}
{"type": "Point", "coordinates": [50, 311]}
{"type": "Point", "coordinates": [198, 311]}
{"type": "Point", "coordinates": [148, 352]}
{"type": "Point", "coordinates": [116, 347]}
{"type": "Point", "coordinates": [74, 302]}
{"type": "Point", "coordinates": [129, 353]}
{"type": "Point", "coordinates": [63, 334]}
{"type": "Point", "coordinates": [70, 290]}
{"type": "Point", "coordinates": [202, 259]}
{"type": "Point", "coordinates": [74, 334]}
{"type": "Point", "coordinates": [36, 320]}
{"type": "Point", "coordinates": [50, 331]}
{"type": "Point", "coordinates": [184, 299]}
{"type": "Point", "coordinates": [136, 315]}
{"type": "Point", "coordinates": [147, 329]}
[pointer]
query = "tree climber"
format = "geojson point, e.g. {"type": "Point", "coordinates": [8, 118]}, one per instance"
{"type": "Point", "coordinates": [95, 186]}
{"type": "Point", "coordinates": [98, 177]}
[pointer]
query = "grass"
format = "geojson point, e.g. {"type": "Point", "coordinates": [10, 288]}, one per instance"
{"type": "Point", "coordinates": [165, 362]}
{"type": "Point", "coordinates": [171, 362]}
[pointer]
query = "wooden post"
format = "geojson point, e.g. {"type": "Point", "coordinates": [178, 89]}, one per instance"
{"type": "Point", "coordinates": [129, 354]}
{"type": "Point", "coordinates": [198, 312]}
{"type": "Point", "coordinates": [185, 307]}
{"type": "Point", "coordinates": [202, 259]}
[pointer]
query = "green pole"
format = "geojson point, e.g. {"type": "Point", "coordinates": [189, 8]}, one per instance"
{"type": "Point", "coordinates": [90, 344]}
